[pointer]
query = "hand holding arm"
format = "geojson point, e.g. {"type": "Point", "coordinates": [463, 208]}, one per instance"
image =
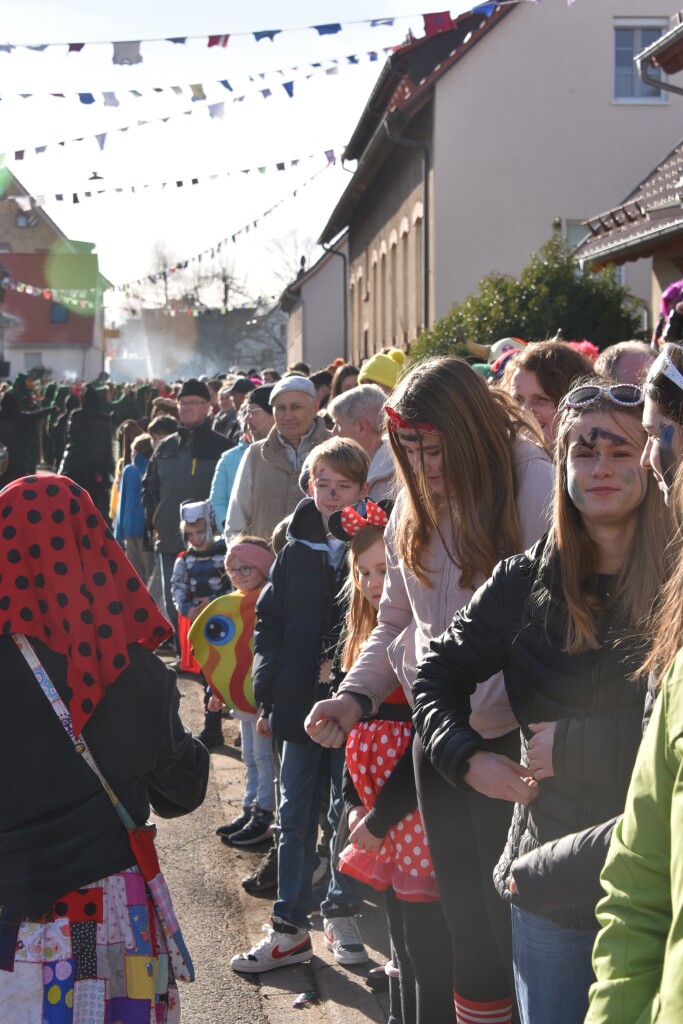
{"type": "Point", "coordinates": [498, 777]}
{"type": "Point", "coordinates": [541, 749]}
{"type": "Point", "coordinates": [330, 721]}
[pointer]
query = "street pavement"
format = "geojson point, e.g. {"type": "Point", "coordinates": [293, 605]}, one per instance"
{"type": "Point", "coordinates": [218, 918]}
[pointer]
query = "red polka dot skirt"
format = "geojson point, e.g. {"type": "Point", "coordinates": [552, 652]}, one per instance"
{"type": "Point", "coordinates": [403, 862]}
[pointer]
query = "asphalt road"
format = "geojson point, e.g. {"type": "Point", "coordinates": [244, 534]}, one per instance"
{"type": "Point", "coordinates": [219, 919]}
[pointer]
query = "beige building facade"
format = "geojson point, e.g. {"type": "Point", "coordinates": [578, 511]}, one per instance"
{"type": "Point", "coordinates": [514, 119]}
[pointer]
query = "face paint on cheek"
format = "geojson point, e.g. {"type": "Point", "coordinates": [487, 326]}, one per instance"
{"type": "Point", "coordinates": [666, 452]}
{"type": "Point", "coordinates": [635, 480]}
{"type": "Point", "coordinates": [573, 488]}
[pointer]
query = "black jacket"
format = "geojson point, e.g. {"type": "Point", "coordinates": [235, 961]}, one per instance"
{"type": "Point", "coordinates": [181, 469]}
{"type": "Point", "coordinates": [58, 828]}
{"type": "Point", "coordinates": [597, 709]}
{"type": "Point", "coordinates": [19, 432]}
{"type": "Point", "coordinates": [298, 613]}
{"type": "Point", "coordinates": [89, 447]}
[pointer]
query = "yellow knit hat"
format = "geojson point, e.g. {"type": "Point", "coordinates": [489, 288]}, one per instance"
{"type": "Point", "coordinates": [380, 369]}
{"type": "Point", "coordinates": [396, 354]}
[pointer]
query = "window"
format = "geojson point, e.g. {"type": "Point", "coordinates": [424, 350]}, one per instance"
{"type": "Point", "coordinates": [58, 314]}
{"type": "Point", "coordinates": [630, 38]}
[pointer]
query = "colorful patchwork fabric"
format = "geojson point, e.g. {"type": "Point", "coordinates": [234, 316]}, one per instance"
{"type": "Point", "coordinates": [107, 963]}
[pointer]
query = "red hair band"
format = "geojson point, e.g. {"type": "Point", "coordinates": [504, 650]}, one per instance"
{"type": "Point", "coordinates": [398, 422]}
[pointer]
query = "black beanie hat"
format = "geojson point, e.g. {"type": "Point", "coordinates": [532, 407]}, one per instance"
{"type": "Point", "coordinates": [194, 388]}
{"type": "Point", "coordinates": [261, 396]}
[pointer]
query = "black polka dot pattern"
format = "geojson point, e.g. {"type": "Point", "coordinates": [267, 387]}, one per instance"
{"type": "Point", "coordinates": [65, 579]}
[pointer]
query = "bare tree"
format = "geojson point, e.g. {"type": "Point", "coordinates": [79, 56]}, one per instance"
{"type": "Point", "coordinates": [291, 254]}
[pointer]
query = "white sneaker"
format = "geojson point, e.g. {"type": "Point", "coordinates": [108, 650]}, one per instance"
{"type": "Point", "coordinates": [343, 938]}
{"type": "Point", "coordinates": [284, 944]}
{"type": "Point", "coordinates": [320, 871]}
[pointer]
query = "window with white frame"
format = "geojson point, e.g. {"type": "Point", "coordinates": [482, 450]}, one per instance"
{"type": "Point", "coordinates": [631, 36]}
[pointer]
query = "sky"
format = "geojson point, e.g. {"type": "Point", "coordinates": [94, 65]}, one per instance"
{"type": "Point", "coordinates": [128, 228]}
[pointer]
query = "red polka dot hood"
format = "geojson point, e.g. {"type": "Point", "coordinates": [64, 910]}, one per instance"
{"type": "Point", "coordinates": [65, 580]}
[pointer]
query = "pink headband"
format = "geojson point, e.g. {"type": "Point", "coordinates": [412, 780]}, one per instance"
{"type": "Point", "coordinates": [252, 554]}
{"type": "Point", "coordinates": [397, 422]}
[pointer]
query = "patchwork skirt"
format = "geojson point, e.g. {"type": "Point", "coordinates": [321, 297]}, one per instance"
{"type": "Point", "coordinates": [99, 958]}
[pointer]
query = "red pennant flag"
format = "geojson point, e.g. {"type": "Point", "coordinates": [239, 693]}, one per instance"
{"type": "Point", "coordinates": [437, 23]}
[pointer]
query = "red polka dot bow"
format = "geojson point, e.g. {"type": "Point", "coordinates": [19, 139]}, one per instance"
{"type": "Point", "coordinates": [353, 522]}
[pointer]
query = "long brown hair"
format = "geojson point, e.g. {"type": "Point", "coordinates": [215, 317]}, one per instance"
{"type": "Point", "coordinates": [571, 551]}
{"type": "Point", "coordinates": [478, 427]}
{"type": "Point", "coordinates": [362, 617]}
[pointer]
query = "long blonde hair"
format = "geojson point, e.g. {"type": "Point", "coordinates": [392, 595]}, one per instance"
{"type": "Point", "coordinates": [362, 617]}
{"type": "Point", "coordinates": [478, 427]}
{"type": "Point", "coordinates": [572, 557]}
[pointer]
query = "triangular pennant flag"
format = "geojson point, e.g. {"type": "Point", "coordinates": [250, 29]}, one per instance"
{"type": "Point", "coordinates": [268, 34]}
{"type": "Point", "coordinates": [280, 166]}
{"type": "Point", "coordinates": [331, 159]}
{"type": "Point", "coordinates": [265, 93]}
{"type": "Point", "coordinates": [434, 23]}
{"type": "Point", "coordinates": [327, 30]}
{"type": "Point", "coordinates": [19, 154]}
{"type": "Point", "coordinates": [75, 198]}
{"type": "Point", "coordinates": [216, 109]}
{"type": "Point", "coordinates": [127, 53]}
{"type": "Point", "coordinates": [40, 150]}
{"type": "Point", "coordinates": [331, 71]}
{"type": "Point", "coordinates": [110, 99]}
{"type": "Point", "coordinates": [262, 170]}
{"type": "Point", "coordinates": [372, 55]}
{"type": "Point", "coordinates": [86, 97]}
{"type": "Point", "coordinates": [101, 139]}
{"type": "Point", "coordinates": [134, 92]}
{"type": "Point", "coordinates": [39, 48]}
{"type": "Point", "coordinates": [352, 58]}
{"type": "Point", "coordinates": [177, 90]}
{"type": "Point", "coordinates": [177, 39]}
{"type": "Point", "coordinates": [75, 47]}
{"type": "Point", "coordinates": [289, 88]}
{"type": "Point", "coordinates": [226, 84]}
{"type": "Point", "coordinates": [218, 41]}
{"type": "Point", "coordinates": [486, 9]}
{"type": "Point", "coordinates": [197, 93]}
{"type": "Point", "coordinates": [381, 21]}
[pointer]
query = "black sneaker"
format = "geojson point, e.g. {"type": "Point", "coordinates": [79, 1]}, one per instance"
{"type": "Point", "coordinates": [264, 879]}
{"type": "Point", "coordinates": [236, 824]}
{"type": "Point", "coordinates": [257, 829]}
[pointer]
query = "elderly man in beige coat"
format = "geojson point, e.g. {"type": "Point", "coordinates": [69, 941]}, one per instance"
{"type": "Point", "coordinates": [266, 487]}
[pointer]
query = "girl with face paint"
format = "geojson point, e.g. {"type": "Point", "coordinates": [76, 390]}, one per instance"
{"type": "Point", "coordinates": [566, 624]}
{"type": "Point", "coordinates": [663, 417]}
{"type": "Point", "coordinates": [637, 954]}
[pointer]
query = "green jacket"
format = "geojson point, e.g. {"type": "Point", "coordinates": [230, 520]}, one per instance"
{"type": "Point", "coordinates": [638, 956]}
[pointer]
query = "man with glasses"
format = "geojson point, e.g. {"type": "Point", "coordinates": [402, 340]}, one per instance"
{"type": "Point", "coordinates": [181, 469]}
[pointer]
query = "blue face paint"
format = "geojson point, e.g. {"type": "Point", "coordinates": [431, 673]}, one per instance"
{"type": "Point", "coordinates": [666, 452]}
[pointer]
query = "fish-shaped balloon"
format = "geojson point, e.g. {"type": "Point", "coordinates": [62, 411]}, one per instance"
{"type": "Point", "coordinates": [222, 640]}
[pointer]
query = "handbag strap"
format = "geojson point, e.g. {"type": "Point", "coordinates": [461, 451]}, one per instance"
{"type": "Point", "coordinates": [64, 716]}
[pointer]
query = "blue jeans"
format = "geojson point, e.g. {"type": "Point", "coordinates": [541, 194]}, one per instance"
{"type": "Point", "coordinates": [257, 756]}
{"type": "Point", "coordinates": [166, 563]}
{"type": "Point", "coordinates": [303, 772]}
{"type": "Point", "coordinates": [553, 969]}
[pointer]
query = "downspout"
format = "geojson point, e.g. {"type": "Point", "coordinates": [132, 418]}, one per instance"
{"type": "Point", "coordinates": [657, 83]}
{"type": "Point", "coordinates": [399, 140]}
{"type": "Point", "coordinates": [342, 255]}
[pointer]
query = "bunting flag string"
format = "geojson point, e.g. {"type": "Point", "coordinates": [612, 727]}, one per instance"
{"type": "Point", "coordinates": [75, 298]}
{"type": "Point", "coordinates": [29, 202]}
{"type": "Point", "coordinates": [129, 52]}
{"type": "Point", "coordinates": [88, 97]}
{"type": "Point", "coordinates": [216, 249]}
{"type": "Point", "coordinates": [78, 298]}
{"type": "Point", "coordinates": [215, 110]}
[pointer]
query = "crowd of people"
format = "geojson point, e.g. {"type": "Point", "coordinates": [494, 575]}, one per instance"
{"type": "Point", "coordinates": [443, 602]}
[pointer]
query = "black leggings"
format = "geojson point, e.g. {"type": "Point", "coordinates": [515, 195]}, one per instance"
{"type": "Point", "coordinates": [421, 949]}
{"type": "Point", "coordinates": [467, 834]}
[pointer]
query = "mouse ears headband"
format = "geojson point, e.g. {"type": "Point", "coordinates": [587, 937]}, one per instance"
{"type": "Point", "coordinates": [351, 519]}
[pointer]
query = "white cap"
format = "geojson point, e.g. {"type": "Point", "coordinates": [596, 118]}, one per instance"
{"type": "Point", "coordinates": [293, 383]}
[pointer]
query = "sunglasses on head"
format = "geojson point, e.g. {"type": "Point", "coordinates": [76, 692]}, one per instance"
{"type": "Point", "coordinates": [663, 364]}
{"type": "Point", "coordinates": [626, 395]}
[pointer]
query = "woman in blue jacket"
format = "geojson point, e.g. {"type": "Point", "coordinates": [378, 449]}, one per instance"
{"type": "Point", "coordinates": [129, 526]}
